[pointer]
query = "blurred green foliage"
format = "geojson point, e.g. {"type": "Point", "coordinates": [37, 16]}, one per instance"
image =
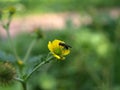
{"type": "Point", "coordinates": [58, 5]}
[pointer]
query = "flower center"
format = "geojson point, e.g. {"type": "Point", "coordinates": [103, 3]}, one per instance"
{"type": "Point", "coordinates": [58, 51]}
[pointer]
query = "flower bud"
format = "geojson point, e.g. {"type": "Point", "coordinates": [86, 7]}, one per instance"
{"type": "Point", "coordinates": [38, 33]}
{"type": "Point", "coordinates": [12, 10]}
{"type": "Point", "coordinates": [7, 73]}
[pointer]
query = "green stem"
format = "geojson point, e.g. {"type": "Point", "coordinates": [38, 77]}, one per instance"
{"type": "Point", "coordinates": [19, 79]}
{"type": "Point", "coordinates": [24, 84]}
{"type": "Point", "coordinates": [9, 37]}
{"type": "Point", "coordinates": [29, 50]}
{"type": "Point", "coordinates": [8, 23]}
{"type": "Point", "coordinates": [12, 45]}
{"type": "Point", "coordinates": [38, 66]}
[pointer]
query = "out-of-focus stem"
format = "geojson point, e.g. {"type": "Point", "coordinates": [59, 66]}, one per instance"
{"type": "Point", "coordinates": [24, 84]}
{"type": "Point", "coordinates": [19, 79]}
{"type": "Point", "coordinates": [29, 50]}
{"type": "Point", "coordinates": [12, 45]}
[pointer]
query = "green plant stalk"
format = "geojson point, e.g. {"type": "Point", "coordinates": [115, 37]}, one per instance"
{"type": "Point", "coordinates": [38, 66]}
{"type": "Point", "coordinates": [8, 23]}
{"type": "Point", "coordinates": [9, 37]}
{"type": "Point", "coordinates": [24, 84]}
{"type": "Point", "coordinates": [29, 50]}
{"type": "Point", "coordinates": [19, 79]}
{"type": "Point", "coordinates": [12, 45]}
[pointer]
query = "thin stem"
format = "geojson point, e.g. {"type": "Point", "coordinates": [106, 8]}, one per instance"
{"type": "Point", "coordinates": [38, 66]}
{"type": "Point", "coordinates": [12, 45]}
{"type": "Point", "coordinates": [8, 23]}
{"type": "Point", "coordinates": [29, 50]}
{"type": "Point", "coordinates": [19, 79]}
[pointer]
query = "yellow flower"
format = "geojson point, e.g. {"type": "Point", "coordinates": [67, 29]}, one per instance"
{"type": "Point", "coordinates": [59, 49]}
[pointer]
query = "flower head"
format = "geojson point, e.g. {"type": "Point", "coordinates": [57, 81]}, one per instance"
{"type": "Point", "coordinates": [12, 10]}
{"type": "Point", "coordinates": [7, 73]}
{"type": "Point", "coordinates": [59, 49]}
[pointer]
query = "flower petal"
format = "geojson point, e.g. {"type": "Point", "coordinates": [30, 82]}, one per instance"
{"type": "Point", "coordinates": [58, 57]}
{"type": "Point", "coordinates": [50, 47]}
{"type": "Point", "coordinates": [66, 52]}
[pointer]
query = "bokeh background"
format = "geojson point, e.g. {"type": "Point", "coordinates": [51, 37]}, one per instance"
{"type": "Point", "coordinates": [91, 27]}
